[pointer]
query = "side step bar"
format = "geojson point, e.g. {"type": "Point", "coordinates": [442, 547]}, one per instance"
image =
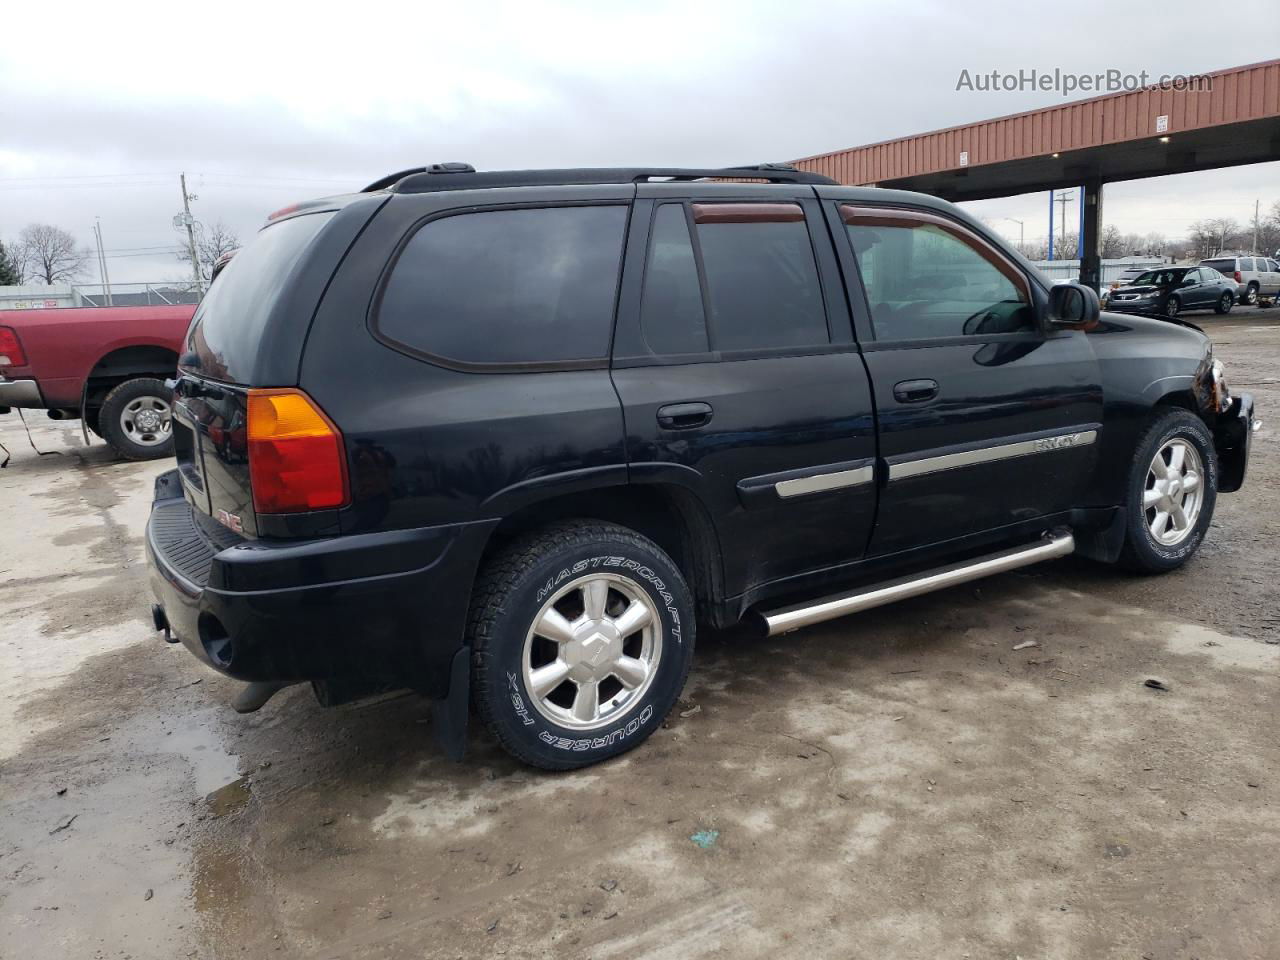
{"type": "Point", "coordinates": [786, 619]}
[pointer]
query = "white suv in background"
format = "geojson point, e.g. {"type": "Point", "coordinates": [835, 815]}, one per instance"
{"type": "Point", "coordinates": [1254, 276]}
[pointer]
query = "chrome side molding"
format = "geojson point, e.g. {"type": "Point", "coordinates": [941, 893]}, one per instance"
{"type": "Point", "coordinates": [1003, 451]}
{"type": "Point", "coordinates": [786, 619]}
{"type": "Point", "coordinates": [825, 481]}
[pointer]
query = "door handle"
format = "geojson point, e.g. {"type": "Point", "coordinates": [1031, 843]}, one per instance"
{"type": "Point", "coordinates": [915, 391]}
{"type": "Point", "coordinates": [682, 416]}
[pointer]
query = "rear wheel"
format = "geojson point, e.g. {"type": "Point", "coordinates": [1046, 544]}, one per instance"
{"type": "Point", "coordinates": [135, 418]}
{"type": "Point", "coordinates": [1173, 486]}
{"type": "Point", "coordinates": [1251, 295]}
{"type": "Point", "coordinates": [582, 637]}
{"type": "Point", "coordinates": [1224, 303]}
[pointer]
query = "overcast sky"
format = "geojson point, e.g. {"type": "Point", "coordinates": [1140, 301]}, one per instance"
{"type": "Point", "coordinates": [267, 103]}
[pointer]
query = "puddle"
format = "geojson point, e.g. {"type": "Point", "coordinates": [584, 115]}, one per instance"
{"type": "Point", "coordinates": [192, 736]}
{"type": "Point", "coordinates": [227, 800]}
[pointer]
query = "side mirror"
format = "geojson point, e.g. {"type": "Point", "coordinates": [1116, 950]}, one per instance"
{"type": "Point", "coordinates": [1073, 306]}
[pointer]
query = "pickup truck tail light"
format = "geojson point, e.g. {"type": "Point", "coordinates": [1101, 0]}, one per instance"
{"type": "Point", "coordinates": [11, 354]}
{"type": "Point", "coordinates": [297, 460]}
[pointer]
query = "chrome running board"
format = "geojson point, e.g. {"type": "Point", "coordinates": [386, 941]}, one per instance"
{"type": "Point", "coordinates": [800, 615]}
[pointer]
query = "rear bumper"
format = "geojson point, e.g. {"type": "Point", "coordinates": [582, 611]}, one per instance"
{"type": "Point", "coordinates": [20, 393]}
{"type": "Point", "coordinates": [1233, 436]}
{"type": "Point", "coordinates": [388, 607]}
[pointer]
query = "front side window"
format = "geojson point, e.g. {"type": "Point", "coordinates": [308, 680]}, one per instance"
{"type": "Point", "coordinates": [926, 278]}
{"type": "Point", "coordinates": [525, 286]}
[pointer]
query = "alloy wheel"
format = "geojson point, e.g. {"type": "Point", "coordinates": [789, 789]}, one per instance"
{"type": "Point", "coordinates": [592, 651]}
{"type": "Point", "coordinates": [1174, 492]}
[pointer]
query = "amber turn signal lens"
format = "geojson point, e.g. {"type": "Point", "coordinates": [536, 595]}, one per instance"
{"type": "Point", "coordinates": [297, 460]}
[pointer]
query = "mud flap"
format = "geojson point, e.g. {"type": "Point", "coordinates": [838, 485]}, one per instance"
{"type": "Point", "coordinates": [449, 716]}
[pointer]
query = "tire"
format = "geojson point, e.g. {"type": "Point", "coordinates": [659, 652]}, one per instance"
{"type": "Point", "coordinates": [560, 570]}
{"type": "Point", "coordinates": [1251, 295]}
{"type": "Point", "coordinates": [126, 422]}
{"type": "Point", "coordinates": [1225, 302]}
{"type": "Point", "coordinates": [1173, 307]}
{"type": "Point", "coordinates": [1146, 549]}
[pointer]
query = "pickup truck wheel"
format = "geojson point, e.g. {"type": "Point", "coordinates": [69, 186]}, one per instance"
{"type": "Point", "coordinates": [135, 419]}
{"type": "Point", "coordinates": [1173, 486]}
{"type": "Point", "coordinates": [582, 637]}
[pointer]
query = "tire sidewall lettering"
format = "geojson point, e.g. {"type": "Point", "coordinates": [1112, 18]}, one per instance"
{"type": "Point", "coordinates": [559, 738]}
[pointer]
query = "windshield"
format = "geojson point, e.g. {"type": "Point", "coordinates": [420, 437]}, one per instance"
{"type": "Point", "coordinates": [229, 324]}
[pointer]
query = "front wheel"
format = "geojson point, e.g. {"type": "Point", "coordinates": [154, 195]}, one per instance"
{"type": "Point", "coordinates": [1224, 303]}
{"type": "Point", "coordinates": [1173, 307]}
{"type": "Point", "coordinates": [582, 637]}
{"type": "Point", "coordinates": [1173, 486]}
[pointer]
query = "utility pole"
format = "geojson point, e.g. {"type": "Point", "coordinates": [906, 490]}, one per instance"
{"type": "Point", "coordinates": [1064, 198]}
{"type": "Point", "coordinates": [1256, 205]}
{"type": "Point", "coordinates": [1022, 234]}
{"type": "Point", "coordinates": [102, 262]}
{"type": "Point", "coordinates": [191, 233]}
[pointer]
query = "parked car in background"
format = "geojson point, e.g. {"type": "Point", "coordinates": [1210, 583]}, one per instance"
{"type": "Point", "coordinates": [506, 438]}
{"type": "Point", "coordinates": [1254, 277]}
{"type": "Point", "coordinates": [1171, 290]}
{"type": "Point", "coordinates": [105, 364]}
{"type": "Point", "coordinates": [1126, 277]}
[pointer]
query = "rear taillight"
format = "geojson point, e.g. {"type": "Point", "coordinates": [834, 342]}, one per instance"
{"type": "Point", "coordinates": [296, 457]}
{"type": "Point", "coordinates": [1237, 275]}
{"type": "Point", "coordinates": [11, 354]}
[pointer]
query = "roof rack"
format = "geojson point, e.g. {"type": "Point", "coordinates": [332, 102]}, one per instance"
{"type": "Point", "coordinates": [462, 176]}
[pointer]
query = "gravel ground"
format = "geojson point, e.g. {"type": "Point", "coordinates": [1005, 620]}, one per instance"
{"type": "Point", "coordinates": [903, 783]}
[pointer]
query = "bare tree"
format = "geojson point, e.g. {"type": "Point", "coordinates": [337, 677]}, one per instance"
{"type": "Point", "coordinates": [1113, 243]}
{"type": "Point", "coordinates": [211, 243]}
{"type": "Point", "coordinates": [1214, 236]}
{"type": "Point", "coordinates": [50, 254]}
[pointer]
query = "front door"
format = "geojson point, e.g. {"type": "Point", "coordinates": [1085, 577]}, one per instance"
{"type": "Point", "coordinates": [739, 378]}
{"type": "Point", "coordinates": [986, 419]}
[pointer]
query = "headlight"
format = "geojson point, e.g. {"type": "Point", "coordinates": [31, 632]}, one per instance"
{"type": "Point", "coordinates": [1218, 385]}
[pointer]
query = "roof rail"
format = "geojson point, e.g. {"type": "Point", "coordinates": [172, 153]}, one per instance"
{"type": "Point", "coordinates": [461, 176]}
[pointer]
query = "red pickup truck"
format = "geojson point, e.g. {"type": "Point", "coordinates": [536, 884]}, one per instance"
{"type": "Point", "coordinates": [105, 364]}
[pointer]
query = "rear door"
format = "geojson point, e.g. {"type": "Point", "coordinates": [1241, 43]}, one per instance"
{"type": "Point", "coordinates": [739, 377]}
{"type": "Point", "coordinates": [986, 420]}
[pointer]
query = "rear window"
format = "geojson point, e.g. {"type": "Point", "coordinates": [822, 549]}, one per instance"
{"type": "Point", "coordinates": [229, 323]}
{"type": "Point", "coordinates": [1222, 266]}
{"type": "Point", "coordinates": [527, 286]}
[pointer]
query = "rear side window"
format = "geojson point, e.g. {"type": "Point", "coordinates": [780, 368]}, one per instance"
{"type": "Point", "coordinates": [227, 328]}
{"type": "Point", "coordinates": [761, 276]}
{"type": "Point", "coordinates": [1222, 266]}
{"type": "Point", "coordinates": [527, 286]}
{"type": "Point", "coordinates": [671, 311]}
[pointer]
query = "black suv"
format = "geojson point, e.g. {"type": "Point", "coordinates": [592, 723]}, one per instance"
{"type": "Point", "coordinates": [504, 438]}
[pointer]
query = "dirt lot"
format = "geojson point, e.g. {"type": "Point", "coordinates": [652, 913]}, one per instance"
{"type": "Point", "coordinates": [899, 784]}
